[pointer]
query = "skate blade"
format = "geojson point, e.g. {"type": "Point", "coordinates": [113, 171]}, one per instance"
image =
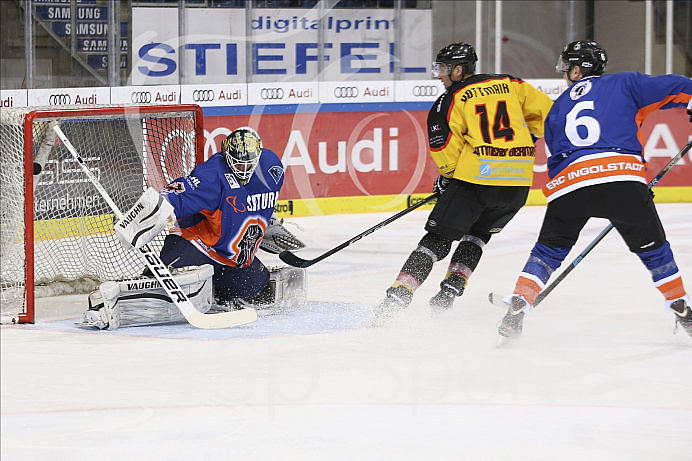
{"type": "Point", "coordinates": [504, 340]}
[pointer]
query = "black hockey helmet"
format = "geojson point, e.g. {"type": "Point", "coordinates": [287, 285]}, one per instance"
{"type": "Point", "coordinates": [242, 150]}
{"type": "Point", "coordinates": [588, 55]}
{"type": "Point", "coordinates": [460, 53]}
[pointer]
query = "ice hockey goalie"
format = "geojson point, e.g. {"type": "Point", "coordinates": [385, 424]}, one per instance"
{"type": "Point", "coordinates": [142, 301]}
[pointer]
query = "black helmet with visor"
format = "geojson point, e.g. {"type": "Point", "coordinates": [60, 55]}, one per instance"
{"type": "Point", "coordinates": [588, 55]}
{"type": "Point", "coordinates": [456, 54]}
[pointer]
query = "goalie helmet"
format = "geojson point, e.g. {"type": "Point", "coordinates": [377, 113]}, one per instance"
{"type": "Point", "coordinates": [460, 53]}
{"type": "Point", "coordinates": [242, 150]}
{"type": "Point", "coordinates": [588, 55]}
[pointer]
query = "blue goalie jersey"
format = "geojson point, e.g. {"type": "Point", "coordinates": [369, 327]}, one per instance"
{"type": "Point", "coordinates": [222, 217]}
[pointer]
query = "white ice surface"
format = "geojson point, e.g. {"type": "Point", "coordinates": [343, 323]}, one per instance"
{"type": "Point", "coordinates": [597, 375]}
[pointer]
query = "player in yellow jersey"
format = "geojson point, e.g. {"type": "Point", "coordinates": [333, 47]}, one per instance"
{"type": "Point", "coordinates": [481, 133]}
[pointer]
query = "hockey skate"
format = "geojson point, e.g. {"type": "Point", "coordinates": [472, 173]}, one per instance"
{"type": "Point", "coordinates": [450, 288]}
{"type": "Point", "coordinates": [104, 311]}
{"type": "Point", "coordinates": [511, 325]}
{"type": "Point", "coordinates": [94, 317]}
{"type": "Point", "coordinates": [286, 292]}
{"type": "Point", "coordinates": [398, 298]}
{"type": "Point", "coordinates": [441, 302]}
{"type": "Point", "coordinates": [683, 315]}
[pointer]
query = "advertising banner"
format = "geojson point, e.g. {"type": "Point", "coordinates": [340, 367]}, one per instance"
{"type": "Point", "coordinates": [341, 154]}
{"type": "Point", "coordinates": [371, 152]}
{"type": "Point", "coordinates": [340, 92]}
{"type": "Point", "coordinates": [90, 28]}
{"type": "Point", "coordinates": [69, 96]}
{"type": "Point", "coordinates": [665, 132]}
{"type": "Point", "coordinates": [214, 95]}
{"type": "Point", "coordinates": [346, 140]}
{"type": "Point", "coordinates": [282, 93]}
{"type": "Point", "coordinates": [14, 98]}
{"type": "Point", "coordinates": [162, 94]}
{"type": "Point", "coordinates": [358, 45]}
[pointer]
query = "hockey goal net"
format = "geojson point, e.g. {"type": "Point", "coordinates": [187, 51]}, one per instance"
{"type": "Point", "coordinates": [56, 231]}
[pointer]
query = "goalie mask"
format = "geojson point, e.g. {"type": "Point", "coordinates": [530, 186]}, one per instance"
{"type": "Point", "coordinates": [242, 150]}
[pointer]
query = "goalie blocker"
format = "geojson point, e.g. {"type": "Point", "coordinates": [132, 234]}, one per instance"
{"type": "Point", "coordinates": [145, 220]}
{"type": "Point", "coordinates": [142, 301]}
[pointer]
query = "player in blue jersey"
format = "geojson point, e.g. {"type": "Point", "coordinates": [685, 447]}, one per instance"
{"type": "Point", "coordinates": [224, 212]}
{"type": "Point", "coordinates": [597, 169]}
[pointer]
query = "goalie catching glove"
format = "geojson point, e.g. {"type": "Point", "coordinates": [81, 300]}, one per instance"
{"type": "Point", "coordinates": [145, 220]}
{"type": "Point", "coordinates": [277, 238]}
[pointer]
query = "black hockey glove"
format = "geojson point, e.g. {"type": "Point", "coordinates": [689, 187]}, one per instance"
{"type": "Point", "coordinates": [441, 184]}
{"type": "Point", "coordinates": [689, 112]}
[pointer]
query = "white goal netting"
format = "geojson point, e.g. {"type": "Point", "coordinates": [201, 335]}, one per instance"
{"type": "Point", "coordinates": [71, 247]}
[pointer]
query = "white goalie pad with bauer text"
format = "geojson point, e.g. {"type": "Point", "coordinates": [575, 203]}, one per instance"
{"type": "Point", "coordinates": [142, 301]}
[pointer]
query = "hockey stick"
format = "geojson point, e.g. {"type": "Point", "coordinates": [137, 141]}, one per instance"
{"type": "Point", "coordinates": [161, 272]}
{"type": "Point", "coordinates": [495, 299]}
{"type": "Point", "coordinates": [295, 261]}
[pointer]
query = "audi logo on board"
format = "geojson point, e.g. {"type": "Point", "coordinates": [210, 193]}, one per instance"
{"type": "Point", "coordinates": [59, 99]}
{"type": "Point", "coordinates": [140, 97]}
{"type": "Point", "coordinates": [346, 92]}
{"type": "Point", "coordinates": [203, 95]}
{"type": "Point", "coordinates": [272, 93]}
{"type": "Point", "coordinates": [425, 90]}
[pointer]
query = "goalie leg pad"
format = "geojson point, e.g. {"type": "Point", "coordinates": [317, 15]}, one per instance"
{"type": "Point", "coordinates": [287, 291]}
{"type": "Point", "coordinates": [291, 288]}
{"type": "Point", "coordinates": [142, 301]}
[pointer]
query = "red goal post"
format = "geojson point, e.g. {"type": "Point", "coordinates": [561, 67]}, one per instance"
{"type": "Point", "coordinates": [56, 232]}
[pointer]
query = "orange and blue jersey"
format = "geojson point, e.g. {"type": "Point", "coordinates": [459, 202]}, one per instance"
{"type": "Point", "coordinates": [221, 217]}
{"type": "Point", "coordinates": [593, 130]}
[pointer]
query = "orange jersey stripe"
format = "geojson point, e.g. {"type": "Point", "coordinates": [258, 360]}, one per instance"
{"type": "Point", "coordinates": [201, 246]}
{"type": "Point", "coordinates": [646, 111]}
{"type": "Point", "coordinates": [207, 230]}
{"type": "Point", "coordinates": [205, 235]}
{"type": "Point", "coordinates": [596, 169]}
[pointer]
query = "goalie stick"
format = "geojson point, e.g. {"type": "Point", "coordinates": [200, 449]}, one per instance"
{"type": "Point", "coordinates": [496, 299]}
{"type": "Point", "coordinates": [295, 261]}
{"type": "Point", "coordinates": [161, 272]}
